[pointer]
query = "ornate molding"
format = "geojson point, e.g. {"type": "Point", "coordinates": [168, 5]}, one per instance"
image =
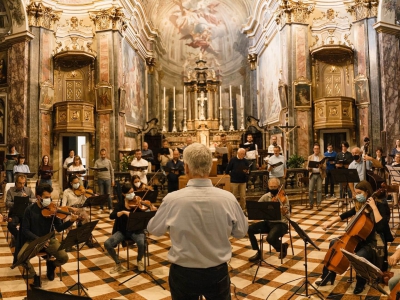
{"type": "Point", "coordinates": [252, 59]}
{"type": "Point", "coordinates": [42, 16]}
{"type": "Point", "coordinates": [109, 19]}
{"type": "Point", "coordinates": [151, 63]}
{"type": "Point", "coordinates": [293, 12]}
{"type": "Point", "coordinates": [362, 9]}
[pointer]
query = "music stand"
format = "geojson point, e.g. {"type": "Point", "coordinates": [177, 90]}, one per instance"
{"type": "Point", "coordinates": [75, 237]}
{"type": "Point", "coordinates": [345, 176]}
{"type": "Point", "coordinates": [36, 293]}
{"type": "Point", "coordinates": [372, 274]}
{"type": "Point", "coordinates": [137, 222]}
{"type": "Point", "coordinates": [267, 211]}
{"type": "Point", "coordinates": [94, 200]}
{"type": "Point", "coordinates": [33, 248]}
{"type": "Point", "coordinates": [307, 240]}
{"type": "Point", "coordinates": [28, 175]}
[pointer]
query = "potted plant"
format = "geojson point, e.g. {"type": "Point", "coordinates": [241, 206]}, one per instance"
{"type": "Point", "coordinates": [125, 162]}
{"type": "Point", "coordinates": [295, 161]}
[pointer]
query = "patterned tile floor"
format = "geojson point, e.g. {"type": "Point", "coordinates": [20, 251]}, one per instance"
{"type": "Point", "coordinates": [95, 267]}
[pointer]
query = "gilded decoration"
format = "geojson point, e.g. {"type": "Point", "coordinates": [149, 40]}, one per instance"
{"type": "Point", "coordinates": [252, 59]}
{"type": "Point", "coordinates": [109, 19]}
{"type": "Point", "coordinates": [334, 112]}
{"type": "Point", "coordinates": [362, 9]}
{"type": "Point", "coordinates": [72, 116]}
{"type": "Point", "coordinates": [42, 16]}
{"type": "Point", "coordinates": [74, 44]}
{"type": "Point", "coordinates": [293, 12]}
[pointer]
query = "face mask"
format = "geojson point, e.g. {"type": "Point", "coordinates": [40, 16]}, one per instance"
{"type": "Point", "coordinates": [361, 198]}
{"type": "Point", "coordinates": [46, 202]}
{"type": "Point", "coordinates": [75, 186]}
{"type": "Point", "coordinates": [274, 143]}
{"type": "Point", "coordinates": [356, 157]}
{"type": "Point", "coordinates": [273, 192]}
{"type": "Point", "coordinates": [130, 196]}
{"type": "Point", "coordinates": [137, 184]}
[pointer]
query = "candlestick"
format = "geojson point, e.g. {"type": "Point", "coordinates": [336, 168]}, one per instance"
{"type": "Point", "coordinates": [184, 97]}
{"type": "Point", "coordinates": [230, 96]}
{"type": "Point", "coordinates": [241, 97]}
{"type": "Point", "coordinates": [174, 97]}
{"type": "Point", "coordinates": [163, 127]}
{"type": "Point", "coordinates": [220, 96]}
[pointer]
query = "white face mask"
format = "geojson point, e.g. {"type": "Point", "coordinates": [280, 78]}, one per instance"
{"type": "Point", "coordinates": [46, 202]}
{"type": "Point", "coordinates": [76, 185]}
{"type": "Point", "coordinates": [130, 196]}
{"type": "Point", "coordinates": [137, 184]}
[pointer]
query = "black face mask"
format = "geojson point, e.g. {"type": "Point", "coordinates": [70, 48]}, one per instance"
{"type": "Point", "coordinates": [356, 157]}
{"type": "Point", "coordinates": [274, 143]}
{"type": "Point", "coordinates": [274, 192]}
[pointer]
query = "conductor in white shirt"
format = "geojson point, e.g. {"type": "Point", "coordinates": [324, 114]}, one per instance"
{"type": "Point", "coordinates": [199, 260]}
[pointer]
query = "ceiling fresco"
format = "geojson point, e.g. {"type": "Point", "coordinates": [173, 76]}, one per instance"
{"type": "Point", "coordinates": [210, 27]}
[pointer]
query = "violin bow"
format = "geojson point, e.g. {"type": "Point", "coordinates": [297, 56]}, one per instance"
{"type": "Point", "coordinates": [220, 180]}
{"type": "Point", "coordinates": [151, 181]}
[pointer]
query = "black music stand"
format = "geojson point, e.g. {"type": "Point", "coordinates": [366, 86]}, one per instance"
{"type": "Point", "coordinates": [345, 176]}
{"type": "Point", "coordinates": [307, 240]}
{"type": "Point", "coordinates": [267, 211]}
{"type": "Point", "coordinates": [91, 201]}
{"type": "Point", "coordinates": [28, 175]}
{"type": "Point", "coordinates": [372, 274]}
{"type": "Point", "coordinates": [138, 221]}
{"type": "Point", "coordinates": [75, 237]}
{"type": "Point", "coordinates": [36, 293]}
{"type": "Point", "coordinates": [33, 248]}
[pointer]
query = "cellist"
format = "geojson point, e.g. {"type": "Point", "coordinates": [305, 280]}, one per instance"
{"type": "Point", "coordinates": [379, 214]}
{"type": "Point", "coordinates": [275, 229]}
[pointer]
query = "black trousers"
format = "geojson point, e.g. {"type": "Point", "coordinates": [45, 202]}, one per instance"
{"type": "Point", "coordinates": [190, 283]}
{"type": "Point", "coordinates": [329, 183]}
{"type": "Point", "coordinates": [275, 232]}
{"type": "Point", "coordinates": [12, 226]}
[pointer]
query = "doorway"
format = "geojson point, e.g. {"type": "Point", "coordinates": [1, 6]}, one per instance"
{"type": "Point", "coordinates": [78, 143]}
{"type": "Point", "coordinates": [335, 138]}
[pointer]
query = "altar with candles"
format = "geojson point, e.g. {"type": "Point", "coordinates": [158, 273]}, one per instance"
{"type": "Point", "coordinates": [206, 113]}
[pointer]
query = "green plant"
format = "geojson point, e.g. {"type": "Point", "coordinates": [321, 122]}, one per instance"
{"type": "Point", "coordinates": [125, 162]}
{"type": "Point", "coordinates": [295, 161]}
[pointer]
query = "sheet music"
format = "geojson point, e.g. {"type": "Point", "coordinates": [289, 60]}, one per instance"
{"type": "Point", "coordinates": [221, 150]}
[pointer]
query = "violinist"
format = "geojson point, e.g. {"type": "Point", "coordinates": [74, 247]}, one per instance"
{"type": "Point", "coordinates": [35, 225]}
{"type": "Point", "coordinates": [74, 199]}
{"type": "Point", "coordinates": [119, 232]}
{"type": "Point", "coordinates": [378, 212]}
{"type": "Point", "coordinates": [138, 185]}
{"type": "Point", "coordinates": [275, 229]}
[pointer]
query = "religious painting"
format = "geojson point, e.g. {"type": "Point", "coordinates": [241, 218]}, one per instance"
{"type": "Point", "coordinates": [361, 89]}
{"type": "Point", "coordinates": [302, 93]}
{"type": "Point", "coordinates": [46, 95]}
{"type": "Point", "coordinates": [268, 84]}
{"type": "Point", "coordinates": [3, 113]}
{"type": "Point", "coordinates": [134, 70]}
{"type": "Point", "coordinates": [122, 95]}
{"type": "Point", "coordinates": [104, 97]}
{"type": "Point", "coordinates": [282, 94]}
{"type": "Point", "coordinates": [3, 67]}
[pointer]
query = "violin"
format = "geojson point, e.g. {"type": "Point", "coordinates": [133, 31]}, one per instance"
{"type": "Point", "coordinates": [52, 210]}
{"type": "Point", "coordinates": [138, 203]}
{"type": "Point", "coordinates": [82, 191]}
{"type": "Point", "coordinates": [281, 198]}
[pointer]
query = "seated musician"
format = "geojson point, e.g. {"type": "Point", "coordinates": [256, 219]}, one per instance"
{"type": "Point", "coordinates": [275, 229]}
{"type": "Point", "coordinates": [379, 213]}
{"type": "Point", "coordinates": [119, 232]}
{"type": "Point", "coordinates": [35, 225]}
{"type": "Point", "coordinates": [393, 260]}
{"type": "Point", "coordinates": [141, 164]}
{"type": "Point", "coordinates": [18, 190]}
{"type": "Point", "coordinates": [175, 168]}
{"type": "Point", "coordinates": [74, 197]}
{"type": "Point", "coordinates": [138, 185]}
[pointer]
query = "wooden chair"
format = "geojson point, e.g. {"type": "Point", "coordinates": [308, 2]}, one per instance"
{"type": "Point", "coordinates": [128, 243]}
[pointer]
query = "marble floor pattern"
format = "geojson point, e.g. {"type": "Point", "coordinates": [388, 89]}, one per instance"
{"type": "Point", "coordinates": [270, 284]}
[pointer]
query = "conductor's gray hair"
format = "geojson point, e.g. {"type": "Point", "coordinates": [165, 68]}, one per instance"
{"type": "Point", "coordinates": [198, 159]}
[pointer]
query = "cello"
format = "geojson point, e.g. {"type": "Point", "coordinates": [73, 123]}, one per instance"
{"type": "Point", "coordinates": [357, 230]}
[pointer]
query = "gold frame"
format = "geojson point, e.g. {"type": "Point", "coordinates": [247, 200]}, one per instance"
{"type": "Point", "coordinates": [104, 97]}
{"type": "Point", "coordinates": [303, 85]}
